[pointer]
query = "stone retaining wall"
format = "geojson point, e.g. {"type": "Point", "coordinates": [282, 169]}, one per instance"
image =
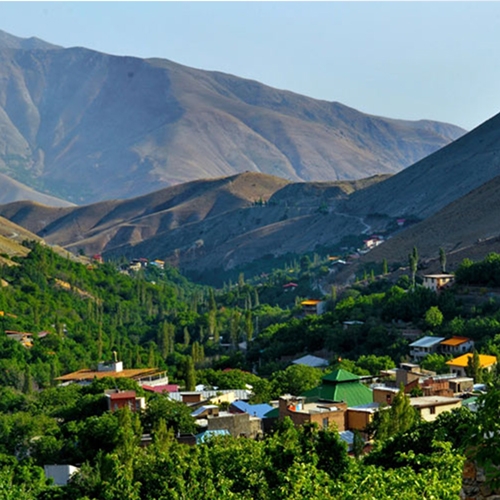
{"type": "Point", "coordinates": [474, 485]}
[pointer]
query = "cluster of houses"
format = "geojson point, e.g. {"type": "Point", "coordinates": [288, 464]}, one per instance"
{"type": "Point", "coordinates": [435, 282]}
{"type": "Point", "coordinates": [142, 262]}
{"type": "Point", "coordinates": [24, 338]}
{"type": "Point", "coordinates": [459, 347]}
{"type": "Point", "coordinates": [343, 400]}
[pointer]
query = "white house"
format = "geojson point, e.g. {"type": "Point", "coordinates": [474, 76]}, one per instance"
{"type": "Point", "coordinates": [424, 346]}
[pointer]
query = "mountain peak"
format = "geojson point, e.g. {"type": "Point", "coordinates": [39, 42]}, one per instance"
{"type": "Point", "coordinates": [8, 41]}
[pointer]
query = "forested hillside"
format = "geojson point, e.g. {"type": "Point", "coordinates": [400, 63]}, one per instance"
{"type": "Point", "coordinates": [78, 315]}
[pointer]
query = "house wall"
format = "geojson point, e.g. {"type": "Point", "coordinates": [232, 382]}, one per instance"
{"type": "Point", "coordinates": [118, 404]}
{"type": "Point", "coordinates": [430, 414]}
{"type": "Point", "coordinates": [383, 396]}
{"type": "Point", "coordinates": [461, 385]}
{"type": "Point", "coordinates": [60, 473]}
{"type": "Point", "coordinates": [191, 398]}
{"type": "Point", "coordinates": [336, 417]}
{"type": "Point", "coordinates": [405, 377]}
{"type": "Point", "coordinates": [458, 370]}
{"type": "Point", "coordinates": [458, 349]}
{"type": "Point", "coordinates": [358, 420]}
{"type": "Point", "coordinates": [241, 424]}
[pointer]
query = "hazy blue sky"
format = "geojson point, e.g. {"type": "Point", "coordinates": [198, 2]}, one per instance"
{"type": "Point", "coordinates": [411, 60]}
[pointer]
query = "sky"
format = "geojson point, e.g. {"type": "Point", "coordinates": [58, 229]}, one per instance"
{"type": "Point", "coordinates": [407, 60]}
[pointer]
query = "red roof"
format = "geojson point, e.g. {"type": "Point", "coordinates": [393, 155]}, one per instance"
{"type": "Point", "coordinates": [161, 388]}
{"type": "Point", "coordinates": [122, 395]}
{"type": "Point", "coordinates": [290, 285]}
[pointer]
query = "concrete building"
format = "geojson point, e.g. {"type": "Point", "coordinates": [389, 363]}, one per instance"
{"type": "Point", "coordinates": [456, 345]}
{"type": "Point", "coordinates": [424, 346]}
{"type": "Point", "coordinates": [60, 474]}
{"type": "Point", "coordinates": [114, 369]}
{"type": "Point", "coordinates": [239, 424]}
{"type": "Point", "coordinates": [313, 307]}
{"type": "Point", "coordinates": [124, 399]}
{"type": "Point", "coordinates": [359, 417]}
{"type": "Point", "coordinates": [437, 282]}
{"type": "Point", "coordinates": [430, 407]}
{"type": "Point", "coordinates": [458, 365]}
{"type": "Point", "coordinates": [323, 413]}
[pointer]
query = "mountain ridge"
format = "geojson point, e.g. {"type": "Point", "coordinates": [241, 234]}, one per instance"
{"type": "Point", "coordinates": [87, 126]}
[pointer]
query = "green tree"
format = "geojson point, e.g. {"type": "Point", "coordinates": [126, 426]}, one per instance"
{"type": "Point", "coordinates": [398, 418]}
{"type": "Point", "coordinates": [433, 317]}
{"type": "Point", "coordinates": [413, 262]}
{"type": "Point", "coordinates": [435, 362]}
{"type": "Point", "coordinates": [442, 259]}
{"type": "Point", "coordinates": [189, 374]}
{"type": "Point", "coordinates": [295, 380]}
{"type": "Point", "coordinates": [175, 415]}
{"type": "Point", "coordinates": [473, 368]}
{"type": "Point", "coordinates": [385, 267]}
{"type": "Point", "coordinates": [248, 325]}
{"type": "Point", "coordinates": [305, 263]}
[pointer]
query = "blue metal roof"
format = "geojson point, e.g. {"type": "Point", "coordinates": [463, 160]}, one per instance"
{"type": "Point", "coordinates": [253, 410]}
{"type": "Point", "coordinates": [427, 341]}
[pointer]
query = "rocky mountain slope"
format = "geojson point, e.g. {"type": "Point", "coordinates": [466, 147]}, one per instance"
{"type": "Point", "coordinates": [468, 227]}
{"type": "Point", "coordinates": [228, 222]}
{"type": "Point", "coordinates": [86, 126]}
{"type": "Point", "coordinates": [441, 178]}
{"type": "Point", "coordinates": [11, 190]}
{"type": "Point", "coordinates": [220, 223]}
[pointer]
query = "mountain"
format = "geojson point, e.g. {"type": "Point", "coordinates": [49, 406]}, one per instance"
{"type": "Point", "coordinates": [8, 41]}
{"type": "Point", "coordinates": [12, 190]}
{"type": "Point", "coordinates": [86, 126]}
{"type": "Point", "coordinates": [230, 222]}
{"type": "Point", "coordinates": [201, 225]}
{"type": "Point", "coordinates": [11, 237]}
{"type": "Point", "coordinates": [439, 179]}
{"type": "Point", "coordinates": [468, 227]}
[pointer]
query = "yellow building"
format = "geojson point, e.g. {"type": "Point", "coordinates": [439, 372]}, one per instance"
{"type": "Point", "coordinates": [458, 365]}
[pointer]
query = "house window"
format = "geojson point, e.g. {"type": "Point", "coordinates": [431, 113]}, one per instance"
{"type": "Point", "coordinates": [432, 410]}
{"type": "Point", "coordinates": [325, 423]}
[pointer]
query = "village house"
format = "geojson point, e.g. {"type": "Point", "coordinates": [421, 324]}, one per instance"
{"type": "Point", "coordinates": [124, 399]}
{"type": "Point", "coordinates": [114, 369]}
{"type": "Point", "coordinates": [458, 365]}
{"type": "Point", "coordinates": [341, 385]}
{"type": "Point", "coordinates": [323, 413]}
{"type": "Point", "coordinates": [60, 474]}
{"type": "Point", "coordinates": [359, 417]}
{"type": "Point", "coordinates": [429, 407]}
{"type": "Point", "coordinates": [204, 411]}
{"type": "Point", "coordinates": [373, 242]}
{"type": "Point", "coordinates": [424, 346]}
{"type": "Point", "coordinates": [313, 307]}
{"type": "Point", "coordinates": [456, 345]}
{"type": "Point", "coordinates": [255, 410]}
{"type": "Point", "coordinates": [198, 398]}
{"type": "Point", "coordinates": [161, 389]}
{"type": "Point", "coordinates": [160, 264]}
{"type": "Point", "coordinates": [384, 395]}
{"type": "Point", "coordinates": [24, 338]}
{"type": "Point", "coordinates": [312, 361]}
{"type": "Point", "coordinates": [237, 424]}
{"type": "Point", "coordinates": [437, 282]}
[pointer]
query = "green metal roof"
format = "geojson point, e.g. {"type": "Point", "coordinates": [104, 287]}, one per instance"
{"type": "Point", "coordinates": [341, 385]}
{"type": "Point", "coordinates": [340, 375]}
{"type": "Point", "coordinates": [274, 413]}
